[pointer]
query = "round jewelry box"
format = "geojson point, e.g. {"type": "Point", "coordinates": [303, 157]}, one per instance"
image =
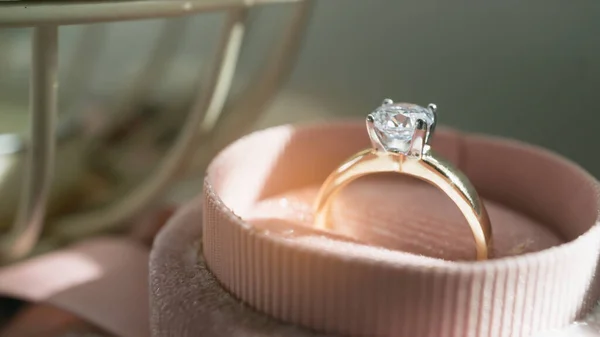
{"type": "Point", "coordinates": [346, 282]}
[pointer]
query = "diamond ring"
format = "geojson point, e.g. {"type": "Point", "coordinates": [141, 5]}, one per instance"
{"type": "Point", "coordinates": [400, 135]}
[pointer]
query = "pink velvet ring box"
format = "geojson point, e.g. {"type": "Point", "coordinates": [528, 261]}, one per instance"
{"type": "Point", "coordinates": [398, 259]}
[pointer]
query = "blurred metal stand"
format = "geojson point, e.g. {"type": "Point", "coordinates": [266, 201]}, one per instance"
{"type": "Point", "coordinates": [40, 159]}
{"type": "Point", "coordinates": [207, 125]}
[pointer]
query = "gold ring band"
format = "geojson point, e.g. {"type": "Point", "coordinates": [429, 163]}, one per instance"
{"type": "Point", "coordinates": [414, 158]}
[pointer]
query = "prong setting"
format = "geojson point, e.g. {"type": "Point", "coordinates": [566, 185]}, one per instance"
{"type": "Point", "coordinates": [375, 142]}
{"type": "Point", "coordinates": [401, 128]}
{"type": "Point", "coordinates": [431, 127]}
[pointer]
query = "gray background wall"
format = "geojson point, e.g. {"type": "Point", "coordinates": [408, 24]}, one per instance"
{"type": "Point", "coordinates": [523, 69]}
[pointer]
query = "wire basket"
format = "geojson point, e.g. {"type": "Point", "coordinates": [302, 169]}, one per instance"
{"type": "Point", "coordinates": [108, 151]}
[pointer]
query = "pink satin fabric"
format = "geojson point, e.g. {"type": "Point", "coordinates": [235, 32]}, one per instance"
{"type": "Point", "coordinates": [103, 281]}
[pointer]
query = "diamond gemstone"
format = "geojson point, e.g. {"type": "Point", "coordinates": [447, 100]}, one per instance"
{"type": "Point", "coordinates": [395, 124]}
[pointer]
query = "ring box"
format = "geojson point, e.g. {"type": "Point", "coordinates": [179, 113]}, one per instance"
{"type": "Point", "coordinates": [356, 281]}
{"type": "Point", "coordinates": [397, 259]}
